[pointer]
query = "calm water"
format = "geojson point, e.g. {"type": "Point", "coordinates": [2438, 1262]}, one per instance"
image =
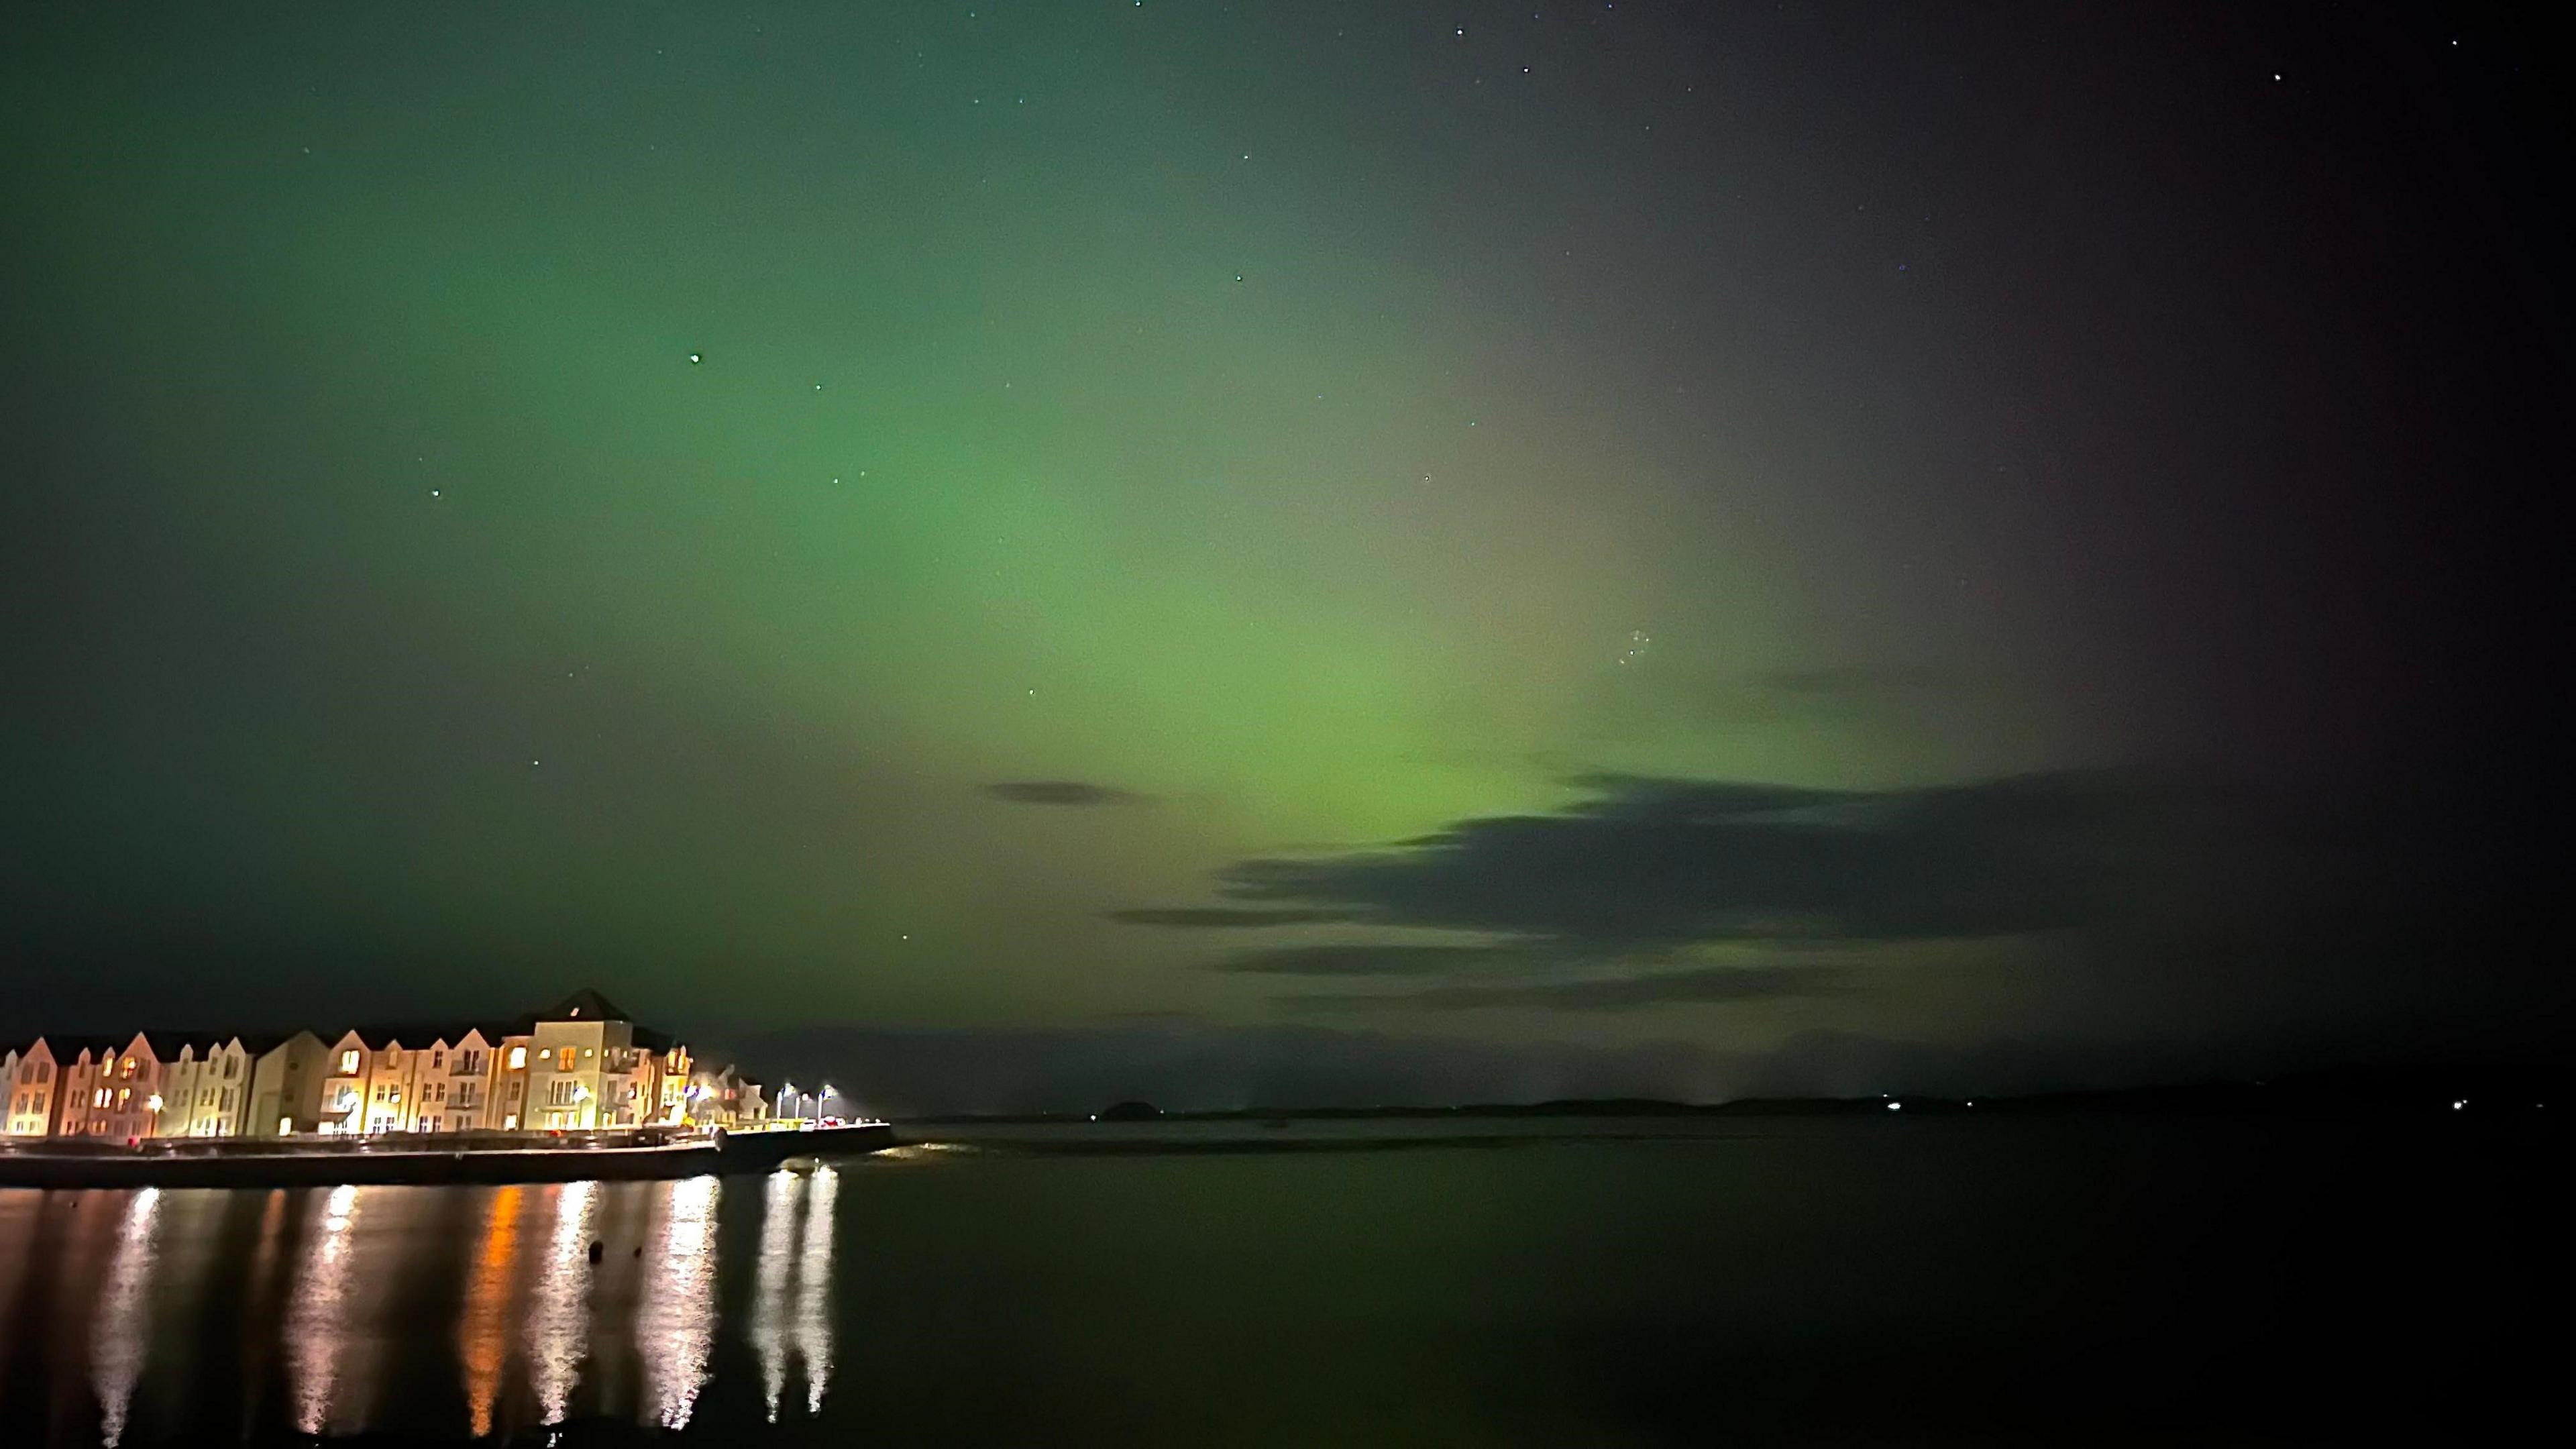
{"type": "Point", "coordinates": [1533, 1284]}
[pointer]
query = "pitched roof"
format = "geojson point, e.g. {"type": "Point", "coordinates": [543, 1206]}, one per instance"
{"type": "Point", "coordinates": [584, 1005]}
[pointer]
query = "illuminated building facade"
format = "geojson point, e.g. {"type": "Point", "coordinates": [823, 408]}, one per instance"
{"type": "Point", "coordinates": [580, 1066]}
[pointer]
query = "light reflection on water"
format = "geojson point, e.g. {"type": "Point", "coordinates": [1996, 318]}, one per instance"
{"type": "Point", "coordinates": [1790, 1281]}
{"type": "Point", "coordinates": [121, 1332]}
{"type": "Point", "coordinates": [558, 1325]}
{"type": "Point", "coordinates": [675, 1328]}
{"type": "Point", "coordinates": [812, 1327]}
{"type": "Point", "coordinates": [769, 1289]}
{"type": "Point", "coordinates": [341, 1298]}
{"type": "Point", "coordinates": [791, 1314]}
{"type": "Point", "coordinates": [317, 1315]}
{"type": "Point", "coordinates": [482, 1329]}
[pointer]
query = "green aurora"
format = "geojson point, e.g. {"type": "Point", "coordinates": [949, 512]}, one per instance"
{"type": "Point", "coordinates": [539, 498]}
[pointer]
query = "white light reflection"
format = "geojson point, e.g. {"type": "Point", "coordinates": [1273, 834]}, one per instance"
{"type": "Point", "coordinates": [769, 1286]}
{"type": "Point", "coordinates": [121, 1332]}
{"type": "Point", "coordinates": [675, 1327]}
{"type": "Point", "coordinates": [557, 1321]}
{"type": "Point", "coordinates": [811, 1329]}
{"type": "Point", "coordinates": [791, 1308]}
{"type": "Point", "coordinates": [317, 1317]}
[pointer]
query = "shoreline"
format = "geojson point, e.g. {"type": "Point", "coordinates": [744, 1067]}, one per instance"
{"type": "Point", "coordinates": [370, 1162]}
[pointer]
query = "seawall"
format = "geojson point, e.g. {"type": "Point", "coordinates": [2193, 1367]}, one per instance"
{"type": "Point", "coordinates": [389, 1160]}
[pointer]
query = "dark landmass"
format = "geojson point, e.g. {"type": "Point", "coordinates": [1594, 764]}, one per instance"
{"type": "Point", "coordinates": [2339, 1092]}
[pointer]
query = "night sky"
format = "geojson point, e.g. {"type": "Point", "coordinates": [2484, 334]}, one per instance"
{"type": "Point", "coordinates": [1016, 551]}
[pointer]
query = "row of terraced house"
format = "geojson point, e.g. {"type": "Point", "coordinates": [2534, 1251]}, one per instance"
{"type": "Point", "coordinates": [580, 1066]}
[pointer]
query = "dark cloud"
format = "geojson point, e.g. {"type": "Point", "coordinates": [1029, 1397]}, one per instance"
{"type": "Point", "coordinates": [1649, 863]}
{"type": "Point", "coordinates": [2245, 906]}
{"type": "Point", "coordinates": [1062, 792]}
{"type": "Point", "coordinates": [1607, 993]}
{"type": "Point", "coordinates": [1380, 960]}
{"type": "Point", "coordinates": [1226, 916]}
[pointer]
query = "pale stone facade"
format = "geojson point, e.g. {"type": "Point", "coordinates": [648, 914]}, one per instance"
{"type": "Point", "coordinates": [35, 1082]}
{"type": "Point", "coordinates": [112, 1094]}
{"type": "Point", "coordinates": [286, 1088]}
{"type": "Point", "coordinates": [580, 1066]}
{"type": "Point", "coordinates": [206, 1090]}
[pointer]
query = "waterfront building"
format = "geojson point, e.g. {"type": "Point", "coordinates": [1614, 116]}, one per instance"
{"type": "Point", "coordinates": [581, 1065]}
{"type": "Point", "coordinates": [719, 1096]}
{"type": "Point", "coordinates": [464, 1085]}
{"type": "Point", "coordinates": [344, 1086]}
{"type": "Point", "coordinates": [672, 1100]}
{"type": "Point", "coordinates": [510, 1080]}
{"type": "Point", "coordinates": [389, 1098]}
{"type": "Point", "coordinates": [34, 1080]}
{"type": "Point", "coordinates": [113, 1094]}
{"type": "Point", "coordinates": [586, 1069]}
{"type": "Point", "coordinates": [286, 1088]}
{"type": "Point", "coordinates": [206, 1090]}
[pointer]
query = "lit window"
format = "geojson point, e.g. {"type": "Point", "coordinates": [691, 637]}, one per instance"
{"type": "Point", "coordinates": [349, 1061]}
{"type": "Point", "coordinates": [518, 1058]}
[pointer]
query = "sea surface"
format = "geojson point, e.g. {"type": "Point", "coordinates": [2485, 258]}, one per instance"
{"type": "Point", "coordinates": [1543, 1283]}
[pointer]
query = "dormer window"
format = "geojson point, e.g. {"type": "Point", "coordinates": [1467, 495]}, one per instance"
{"type": "Point", "coordinates": [349, 1061]}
